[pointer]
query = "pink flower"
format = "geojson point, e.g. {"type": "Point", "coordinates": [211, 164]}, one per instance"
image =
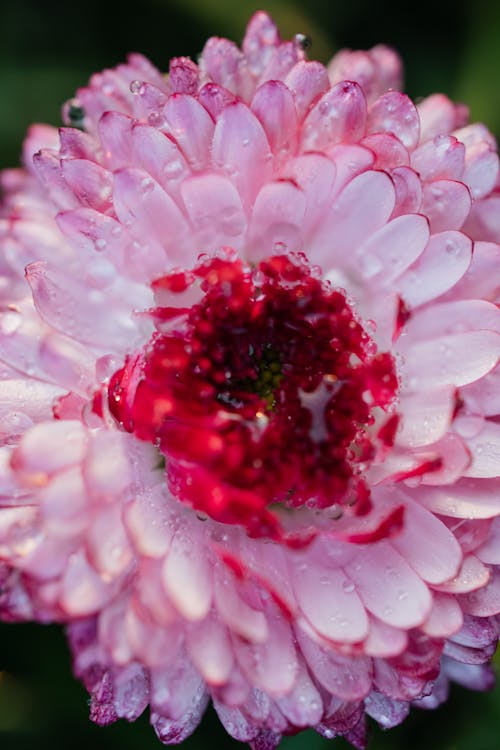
{"type": "Point", "coordinates": [250, 413]}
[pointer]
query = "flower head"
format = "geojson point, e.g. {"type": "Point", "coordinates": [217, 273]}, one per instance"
{"type": "Point", "coordinates": [249, 416]}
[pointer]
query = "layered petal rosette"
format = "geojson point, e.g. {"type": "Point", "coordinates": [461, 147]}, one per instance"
{"type": "Point", "coordinates": [250, 391]}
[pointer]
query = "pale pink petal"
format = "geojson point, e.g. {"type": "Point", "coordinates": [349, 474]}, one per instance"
{"type": "Point", "coordinates": [440, 559]}
{"type": "Point", "coordinates": [270, 665]}
{"type": "Point", "coordinates": [210, 648]}
{"type": "Point", "coordinates": [346, 678]}
{"type": "Point", "coordinates": [426, 417]}
{"type": "Point", "coordinates": [444, 261]}
{"type": "Point", "coordinates": [445, 618]}
{"type": "Point", "coordinates": [330, 603]}
{"type": "Point", "coordinates": [388, 587]}
{"type": "Point", "coordinates": [485, 450]}
{"type": "Point", "coordinates": [187, 578]}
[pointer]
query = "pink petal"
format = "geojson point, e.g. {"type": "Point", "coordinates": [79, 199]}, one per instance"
{"type": "Point", "coordinates": [91, 183]}
{"type": "Point", "coordinates": [115, 130]}
{"type": "Point", "coordinates": [455, 359]}
{"type": "Point", "coordinates": [215, 98]}
{"type": "Point", "coordinates": [446, 204]}
{"type": "Point", "coordinates": [270, 665]}
{"type": "Point", "coordinates": [439, 115]}
{"type": "Point", "coordinates": [83, 591]}
{"type": "Point", "coordinates": [261, 37]}
{"type": "Point", "coordinates": [225, 64]}
{"type": "Point", "coordinates": [489, 552]}
{"type": "Point", "coordinates": [485, 601]}
{"type": "Point", "coordinates": [384, 641]}
{"type": "Point", "coordinates": [160, 157]}
{"type": "Point", "coordinates": [66, 305]}
{"type": "Point", "coordinates": [303, 706]}
{"type": "Point", "coordinates": [276, 220]}
{"type": "Point", "coordinates": [189, 123]}
{"type": "Point", "coordinates": [215, 211]}
{"type": "Point", "coordinates": [389, 151]}
{"type": "Point", "coordinates": [341, 231]}
{"type": "Point", "coordinates": [348, 678]}
{"type": "Point", "coordinates": [315, 175]}
{"type": "Point", "coordinates": [306, 80]}
{"type": "Point", "coordinates": [472, 575]}
{"type": "Point", "coordinates": [32, 398]}
{"type": "Point", "coordinates": [273, 104]}
{"type": "Point", "coordinates": [384, 256]}
{"type": "Point", "coordinates": [48, 169]}
{"type": "Point", "coordinates": [396, 114]}
{"type": "Point", "coordinates": [240, 149]}
{"type": "Point", "coordinates": [37, 453]}
{"type": "Point", "coordinates": [281, 61]}
{"type": "Point", "coordinates": [481, 281]}
{"type": "Point", "coordinates": [234, 612]}
{"type": "Point", "coordinates": [154, 216]}
{"type": "Point", "coordinates": [147, 519]}
{"type": "Point", "coordinates": [338, 116]}
{"type": "Point", "coordinates": [408, 191]}
{"type": "Point", "coordinates": [443, 158]}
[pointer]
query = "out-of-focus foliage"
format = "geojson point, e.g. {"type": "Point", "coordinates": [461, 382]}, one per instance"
{"type": "Point", "coordinates": [48, 49]}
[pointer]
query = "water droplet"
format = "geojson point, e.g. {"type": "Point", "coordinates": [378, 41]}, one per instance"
{"type": "Point", "coordinates": [10, 322]}
{"type": "Point", "coordinates": [452, 247]}
{"type": "Point", "coordinates": [324, 580]}
{"type": "Point", "coordinates": [173, 169]}
{"type": "Point", "coordinates": [136, 87]}
{"type": "Point", "coordinates": [280, 247]}
{"type": "Point", "coordinates": [156, 119]}
{"type": "Point", "coordinates": [100, 243]}
{"type": "Point", "coordinates": [147, 185]}
{"type": "Point", "coordinates": [370, 264]}
{"type": "Point", "coordinates": [348, 587]}
{"type": "Point", "coordinates": [302, 41]}
{"type": "Point", "coordinates": [402, 595]}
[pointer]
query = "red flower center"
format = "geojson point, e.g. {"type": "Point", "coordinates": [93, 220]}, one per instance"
{"type": "Point", "coordinates": [259, 393]}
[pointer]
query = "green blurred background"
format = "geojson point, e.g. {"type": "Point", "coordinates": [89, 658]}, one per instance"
{"type": "Point", "coordinates": [48, 48]}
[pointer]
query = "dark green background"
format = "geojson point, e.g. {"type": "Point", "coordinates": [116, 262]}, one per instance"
{"type": "Point", "coordinates": [48, 48]}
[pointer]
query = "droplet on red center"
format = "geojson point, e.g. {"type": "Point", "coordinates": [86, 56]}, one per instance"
{"type": "Point", "coordinates": [259, 388]}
